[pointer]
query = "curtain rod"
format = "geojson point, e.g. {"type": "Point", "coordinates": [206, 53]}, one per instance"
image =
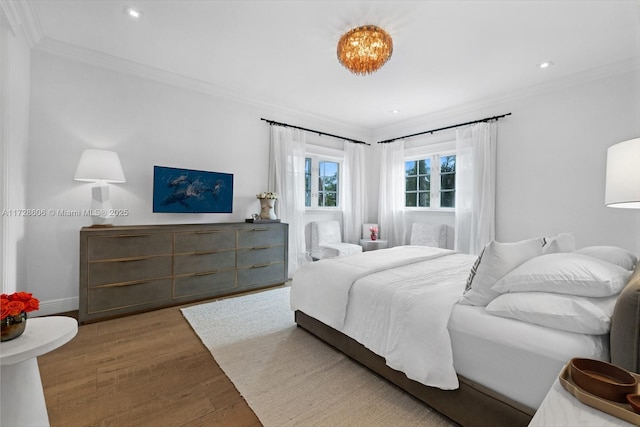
{"type": "Point", "coordinates": [273, 123]}
{"type": "Point", "coordinates": [487, 119]}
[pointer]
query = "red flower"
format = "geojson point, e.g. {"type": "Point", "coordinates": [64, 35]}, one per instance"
{"type": "Point", "coordinates": [17, 302]}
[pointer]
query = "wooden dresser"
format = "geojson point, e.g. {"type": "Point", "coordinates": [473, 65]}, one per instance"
{"type": "Point", "coordinates": [130, 269]}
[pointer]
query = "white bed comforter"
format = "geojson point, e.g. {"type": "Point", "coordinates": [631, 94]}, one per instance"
{"type": "Point", "coordinates": [404, 297]}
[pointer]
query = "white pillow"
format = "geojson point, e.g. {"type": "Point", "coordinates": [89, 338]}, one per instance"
{"type": "Point", "coordinates": [612, 254]}
{"type": "Point", "coordinates": [565, 312]}
{"type": "Point", "coordinates": [563, 242]}
{"type": "Point", "coordinates": [496, 260]}
{"type": "Point", "coordinates": [566, 273]}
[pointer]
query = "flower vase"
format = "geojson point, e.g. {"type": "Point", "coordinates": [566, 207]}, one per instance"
{"type": "Point", "coordinates": [266, 209]}
{"type": "Point", "coordinates": [374, 236]}
{"type": "Point", "coordinates": [13, 326]}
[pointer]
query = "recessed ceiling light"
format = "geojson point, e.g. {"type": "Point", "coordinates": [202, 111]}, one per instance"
{"type": "Point", "coordinates": [395, 111]}
{"type": "Point", "coordinates": [545, 64]}
{"type": "Point", "coordinates": [132, 13]}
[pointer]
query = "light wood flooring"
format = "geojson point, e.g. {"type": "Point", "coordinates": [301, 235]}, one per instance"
{"type": "Point", "coordinates": [149, 369]}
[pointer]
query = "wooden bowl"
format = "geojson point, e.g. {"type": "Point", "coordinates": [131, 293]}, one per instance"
{"type": "Point", "coordinates": [634, 401]}
{"type": "Point", "coordinates": [603, 379]}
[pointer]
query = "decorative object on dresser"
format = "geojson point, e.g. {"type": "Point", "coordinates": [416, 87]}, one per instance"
{"type": "Point", "coordinates": [129, 269]}
{"type": "Point", "coordinates": [102, 167]}
{"type": "Point", "coordinates": [267, 202]}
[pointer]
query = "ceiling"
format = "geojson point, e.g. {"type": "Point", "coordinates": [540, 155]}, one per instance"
{"type": "Point", "coordinates": [446, 54]}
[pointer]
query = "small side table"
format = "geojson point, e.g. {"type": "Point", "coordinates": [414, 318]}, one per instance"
{"type": "Point", "coordinates": [559, 409]}
{"type": "Point", "coordinates": [21, 394]}
{"type": "Point", "coordinates": [372, 245]}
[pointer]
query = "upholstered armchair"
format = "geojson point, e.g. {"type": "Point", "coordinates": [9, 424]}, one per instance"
{"type": "Point", "coordinates": [326, 241]}
{"type": "Point", "coordinates": [425, 234]}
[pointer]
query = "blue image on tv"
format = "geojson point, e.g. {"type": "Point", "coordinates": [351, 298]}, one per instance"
{"type": "Point", "coordinates": [191, 191]}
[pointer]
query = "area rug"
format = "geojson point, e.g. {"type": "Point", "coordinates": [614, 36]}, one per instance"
{"type": "Point", "coordinates": [289, 377]}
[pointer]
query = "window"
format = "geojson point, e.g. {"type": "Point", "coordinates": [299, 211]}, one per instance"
{"type": "Point", "coordinates": [322, 182]}
{"type": "Point", "coordinates": [430, 182]}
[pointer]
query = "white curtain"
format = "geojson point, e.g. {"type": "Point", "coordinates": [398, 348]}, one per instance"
{"type": "Point", "coordinates": [286, 178]}
{"type": "Point", "coordinates": [392, 186]}
{"type": "Point", "coordinates": [475, 187]}
{"type": "Point", "coordinates": [354, 188]}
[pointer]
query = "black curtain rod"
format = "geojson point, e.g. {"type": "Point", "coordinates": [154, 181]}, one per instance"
{"type": "Point", "coordinates": [488, 119]}
{"type": "Point", "coordinates": [271, 122]}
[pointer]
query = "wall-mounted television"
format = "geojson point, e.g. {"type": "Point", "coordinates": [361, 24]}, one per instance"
{"type": "Point", "coordinates": [191, 191]}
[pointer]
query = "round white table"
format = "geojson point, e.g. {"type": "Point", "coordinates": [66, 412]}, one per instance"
{"type": "Point", "coordinates": [22, 398]}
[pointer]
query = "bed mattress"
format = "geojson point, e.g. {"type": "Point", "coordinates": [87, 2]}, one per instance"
{"type": "Point", "coordinates": [517, 359]}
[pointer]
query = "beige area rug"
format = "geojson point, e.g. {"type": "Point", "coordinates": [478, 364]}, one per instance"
{"type": "Point", "coordinates": [291, 378]}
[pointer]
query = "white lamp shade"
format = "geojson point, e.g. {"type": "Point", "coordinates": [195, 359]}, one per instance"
{"type": "Point", "coordinates": [99, 165]}
{"type": "Point", "coordinates": [623, 175]}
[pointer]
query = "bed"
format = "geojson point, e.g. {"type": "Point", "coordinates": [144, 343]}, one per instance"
{"type": "Point", "coordinates": [419, 317]}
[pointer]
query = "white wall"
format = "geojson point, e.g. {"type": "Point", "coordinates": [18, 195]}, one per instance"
{"type": "Point", "coordinates": [77, 106]}
{"type": "Point", "coordinates": [552, 157]}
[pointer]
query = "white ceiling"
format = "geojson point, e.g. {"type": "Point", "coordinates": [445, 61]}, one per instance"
{"type": "Point", "coordinates": [446, 53]}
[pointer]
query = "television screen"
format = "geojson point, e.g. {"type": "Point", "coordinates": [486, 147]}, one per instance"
{"type": "Point", "coordinates": [191, 191]}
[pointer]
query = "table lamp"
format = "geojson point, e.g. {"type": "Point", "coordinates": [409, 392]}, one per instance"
{"type": "Point", "coordinates": [623, 175]}
{"type": "Point", "coordinates": [102, 167]}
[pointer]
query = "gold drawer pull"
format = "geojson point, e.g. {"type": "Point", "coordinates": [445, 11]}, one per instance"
{"type": "Point", "coordinates": [133, 235]}
{"type": "Point", "coordinates": [206, 273]}
{"type": "Point", "coordinates": [260, 265]}
{"type": "Point", "coordinates": [209, 231]}
{"type": "Point", "coordinates": [135, 259]}
{"type": "Point", "coordinates": [139, 282]}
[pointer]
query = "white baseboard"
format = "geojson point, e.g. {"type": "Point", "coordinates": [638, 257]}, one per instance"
{"type": "Point", "coordinates": [56, 306]}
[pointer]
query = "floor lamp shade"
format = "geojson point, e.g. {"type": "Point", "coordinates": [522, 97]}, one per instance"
{"type": "Point", "coordinates": [623, 175]}
{"type": "Point", "coordinates": [102, 167]}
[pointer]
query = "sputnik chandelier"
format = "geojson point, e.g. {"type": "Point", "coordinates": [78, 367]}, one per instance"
{"type": "Point", "coordinates": [363, 50]}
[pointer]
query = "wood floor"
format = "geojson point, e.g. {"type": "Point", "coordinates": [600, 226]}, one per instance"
{"type": "Point", "coordinates": [150, 369]}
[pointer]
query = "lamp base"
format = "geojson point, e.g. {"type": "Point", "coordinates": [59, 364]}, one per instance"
{"type": "Point", "coordinates": [101, 209]}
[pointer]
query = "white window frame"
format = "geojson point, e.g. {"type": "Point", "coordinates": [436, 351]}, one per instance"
{"type": "Point", "coordinates": [434, 152]}
{"type": "Point", "coordinates": [318, 154]}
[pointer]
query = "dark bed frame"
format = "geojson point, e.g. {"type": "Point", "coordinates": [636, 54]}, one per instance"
{"type": "Point", "coordinates": [473, 404]}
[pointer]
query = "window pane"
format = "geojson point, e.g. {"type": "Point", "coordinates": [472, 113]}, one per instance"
{"type": "Point", "coordinates": [328, 183]}
{"type": "Point", "coordinates": [425, 183]}
{"type": "Point", "coordinates": [411, 183]}
{"type": "Point", "coordinates": [410, 199]}
{"type": "Point", "coordinates": [448, 199]}
{"type": "Point", "coordinates": [447, 164]}
{"type": "Point", "coordinates": [410, 168]}
{"type": "Point", "coordinates": [424, 167]}
{"type": "Point", "coordinates": [425, 200]}
{"type": "Point", "coordinates": [448, 181]}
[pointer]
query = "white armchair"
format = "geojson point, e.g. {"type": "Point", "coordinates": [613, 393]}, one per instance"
{"type": "Point", "coordinates": [326, 241]}
{"type": "Point", "coordinates": [425, 234]}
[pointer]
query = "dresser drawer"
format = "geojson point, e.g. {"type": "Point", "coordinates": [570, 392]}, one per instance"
{"type": "Point", "coordinates": [118, 297]}
{"type": "Point", "coordinates": [201, 262]}
{"type": "Point", "coordinates": [264, 255]}
{"type": "Point", "coordinates": [134, 269]}
{"type": "Point", "coordinates": [129, 246]}
{"type": "Point", "coordinates": [267, 274]}
{"type": "Point", "coordinates": [205, 283]}
{"type": "Point", "coordinates": [261, 236]}
{"type": "Point", "coordinates": [205, 240]}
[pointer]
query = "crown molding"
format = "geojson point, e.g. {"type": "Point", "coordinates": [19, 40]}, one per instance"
{"type": "Point", "coordinates": [95, 58]}
{"type": "Point", "coordinates": [23, 20]}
